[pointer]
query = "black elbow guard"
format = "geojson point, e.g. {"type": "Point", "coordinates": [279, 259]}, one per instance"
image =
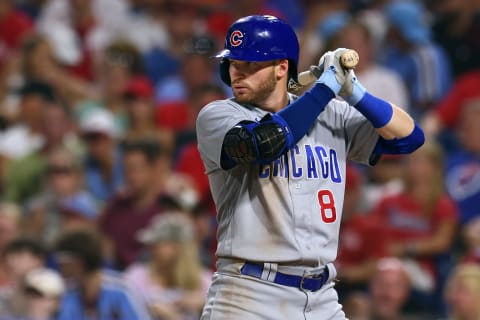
{"type": "Point", "coordinates": [239, 145]}
{"type": "Point", "coordinates": [255, 142]}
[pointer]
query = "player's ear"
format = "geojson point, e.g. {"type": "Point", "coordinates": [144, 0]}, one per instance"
{"type": "Point", "coordinates": [281, 68]}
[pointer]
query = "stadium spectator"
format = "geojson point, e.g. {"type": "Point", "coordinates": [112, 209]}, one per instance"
{"type": "Point", "coordinates": [37, 62]}
{"type": "Point", "coordinates": [227, 11]}
{"type": "Point", "coordinates": [205, 229]}
{"type": "Point", "coordinates": [23, 142]}
{"type": "Point", "coordinates": [63, 199]}
{"type": "Point", "coordinates": [25, 136]}
{"type": "Point", "coordinates": [134, 207]}
{"type": "Point", "coordinates": [471, 237]}
{"type": "Point", "coordinates": [463, 292]}
{"type": "Point", "coordinates": [59, 129]}
{"type": "Point", "coordinates": [389, 289]}
{"type": "Point", "coordinates": [460, 111]}
{"type": "Point", "coordinates": [93, 292]}
{"type": "Point", "coordinates": [148, 28]}
{"type": "Point", "coordinates": [10, 228]}
{"type": "Point", "coordinates": [140, 109]}
{"type": "Point", "coordinates": [456, 27]}
{"type": "Point", "coordinates": [358, 306]}
{"type": "Point", "coordinates": [196, 68]}
{"type": "Point", "coordinates": [43, 289]}
{"type": "Point", "coordinates": [116, 66]}
{"type": "Point", "coordinates": [383, 179]}
{"type": "Point", "coordinates": [410, 51]}
{"type": "Point", "coordinates": [172, 282]}
{"type": "Point", "coordinates": [14, 27]}
{"type": "Point", "coordinates": [187, 158]}
{"type": "Point", "coordinates": [79, 30]}
{"type": "Point", "coordinates": [182, 20]}
{"type": "Point", "coordinates": [198, 97]}
{"type": "Point", "coordinates": [359, 247]}
{"type": "Point", "coordinates": [446, 114]}
{"type": "Point", "coordinates": [463, 167]}
{"type": "Point", "coordinates": [420, 223]}
{"type": "Point", "coordinates": [321, 20]}
{"type": "Point", "coordinates": [381, 81]}
{"type": "Point", "coordinates": [57, 132]}
{"type": "Point", "coordinates": [21, 256]}
{"type": "Point", "coordinates": [103, 162]}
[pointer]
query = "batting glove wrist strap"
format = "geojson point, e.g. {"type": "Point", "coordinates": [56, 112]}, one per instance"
{"type": "Point", "coordinates": [329, 79]}
{"type": "Point", "coordinates": [377, 111]}
{"type": "Point", "coordinates": [352, 90]}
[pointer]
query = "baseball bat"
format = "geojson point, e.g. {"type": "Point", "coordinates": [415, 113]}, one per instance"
{"type": "Point", "coordinates": [349, 60]}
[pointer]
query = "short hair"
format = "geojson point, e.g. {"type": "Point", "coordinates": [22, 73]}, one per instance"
{"type": "Point", "coordinates": [38, 88]}
{"type": "Point", "coordinates": [150, 148]}
{"type": "Point", "coordinates": [82, 244]}
{"type": "Point", "coordinates": [26, 244]}
{"type": "Point", "coordinates": [126, 54]}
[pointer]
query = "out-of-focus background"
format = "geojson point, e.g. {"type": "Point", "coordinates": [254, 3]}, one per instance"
{"type": "Point", "coordinates": [105, 209]}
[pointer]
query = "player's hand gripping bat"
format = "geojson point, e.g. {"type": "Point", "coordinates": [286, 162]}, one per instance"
{"type": "Point", "coordinates": [349, 60]}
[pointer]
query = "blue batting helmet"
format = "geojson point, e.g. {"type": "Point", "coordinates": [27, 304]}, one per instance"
{"type": "Point", "coordinates": [259, 38]}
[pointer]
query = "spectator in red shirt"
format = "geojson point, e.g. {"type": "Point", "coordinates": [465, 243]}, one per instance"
{"type": "Point", "coordinates": [420, 222]}
{"type": "Point", "coordinates": [460, 111]}
{"type": "Point", "coordinates": [133, 208]}
{"type": "Point", "coordinates": [359, 248]}
{"type": "Point", "coordinates": [447, 113]}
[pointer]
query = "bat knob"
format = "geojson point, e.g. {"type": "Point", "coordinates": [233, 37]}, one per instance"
{"type": "Point", "coordinates": [349, 59]}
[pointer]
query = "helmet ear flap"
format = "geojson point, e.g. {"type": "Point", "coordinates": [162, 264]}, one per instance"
{"type": "Point", "coordinates": [224, 72]}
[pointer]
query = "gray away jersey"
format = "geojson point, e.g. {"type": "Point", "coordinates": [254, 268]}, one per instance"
{"type": "Point", "coordinates": [288, 211]}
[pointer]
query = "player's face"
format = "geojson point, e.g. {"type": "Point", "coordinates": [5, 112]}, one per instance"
{"type": "Point", "coordinates": [252, 82]}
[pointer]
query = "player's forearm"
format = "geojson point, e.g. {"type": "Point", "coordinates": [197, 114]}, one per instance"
{"type": "Point", "coordinates": [399, 126]}
{"type": "Point", "coordinates": [398, 132]}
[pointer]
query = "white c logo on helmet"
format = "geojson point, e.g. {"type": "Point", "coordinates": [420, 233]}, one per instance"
{"type": "Point", "coordinates": [236, 38]}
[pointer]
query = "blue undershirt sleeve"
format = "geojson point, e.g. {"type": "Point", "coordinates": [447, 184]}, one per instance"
{"type": "Point", "coordinates": [300, 115]}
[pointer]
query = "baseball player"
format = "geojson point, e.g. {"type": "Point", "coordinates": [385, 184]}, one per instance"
{"type": "Point", "coordinates": [276, 167]}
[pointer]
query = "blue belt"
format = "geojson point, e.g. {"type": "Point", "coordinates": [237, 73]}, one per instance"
{"type": "Point", "coordinates": [302, 282]}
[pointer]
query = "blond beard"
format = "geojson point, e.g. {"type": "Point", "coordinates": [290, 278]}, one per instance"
{"type": "Point", "coordinates": [262, 93]}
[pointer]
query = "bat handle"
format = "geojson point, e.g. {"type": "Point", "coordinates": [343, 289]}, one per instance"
{"type": "Point", "coordinates": [308, 77]}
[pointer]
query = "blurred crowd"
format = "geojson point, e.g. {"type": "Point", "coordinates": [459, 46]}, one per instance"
{"type": "Point", "coordinates": [105, 210]}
